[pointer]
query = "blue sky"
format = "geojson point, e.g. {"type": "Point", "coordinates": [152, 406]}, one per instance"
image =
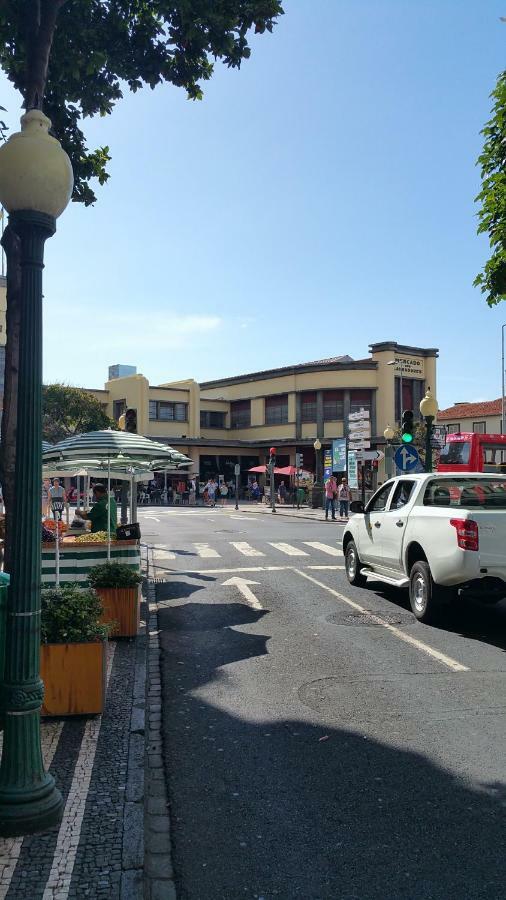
{"type": "Point", "coordinates": [316, 201]}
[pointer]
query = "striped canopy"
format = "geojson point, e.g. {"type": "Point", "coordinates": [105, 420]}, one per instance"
{"type": "Point", "coordinates": [109, 445]}
{"type": "Point", "coordinates": [46, 446]}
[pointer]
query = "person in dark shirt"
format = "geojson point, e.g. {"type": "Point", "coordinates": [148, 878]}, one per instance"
{"type": "Point", "coordinates": [97, 515]}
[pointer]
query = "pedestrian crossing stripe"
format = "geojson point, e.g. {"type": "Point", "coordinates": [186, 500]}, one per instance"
{"type": "Point", "coordinates": [205, 551]}
{"type": "Point", "coordinates": [246, 549]}
{"type": "Point", "coordinates": [324, 548]}
{"type": "Point", "coordinates": [289, 549]}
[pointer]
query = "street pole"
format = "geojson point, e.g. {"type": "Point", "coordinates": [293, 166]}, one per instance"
{"type": "Point", "coordinates": [502, 381]}
{"type": "Point", "coordinates": [236, 485]}
{"type": "Point", "coordinates": [272, 463]}
{"type": "Point", "coordinates": [428, 443]}
{"type": "Point", "coordinates": [29, 799]}
{"type": "Point", "coordinates": [36, 184]}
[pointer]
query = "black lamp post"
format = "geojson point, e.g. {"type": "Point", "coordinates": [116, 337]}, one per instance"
{"type": "Point", "coordinates": [35, 186]}
{"type": "Point", "coordinates": [428, 409]}
{"type": "Point", "coordinates": [317, 492]}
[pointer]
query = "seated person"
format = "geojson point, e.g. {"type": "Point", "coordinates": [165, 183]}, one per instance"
{"type": "Point", "coordinates": [97, 515]}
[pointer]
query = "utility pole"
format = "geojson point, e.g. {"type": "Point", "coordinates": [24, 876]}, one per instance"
{"type": "Point", "coordinates": [272, 463]}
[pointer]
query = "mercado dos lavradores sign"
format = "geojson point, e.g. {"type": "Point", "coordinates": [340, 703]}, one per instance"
{"type": "Point", "coordinates": [409, 367]}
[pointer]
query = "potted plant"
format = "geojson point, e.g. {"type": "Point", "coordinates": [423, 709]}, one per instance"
{"type": "Point", "coordinates": [118, 587]}
{"type": "Point", "coordinates": [72, 652]}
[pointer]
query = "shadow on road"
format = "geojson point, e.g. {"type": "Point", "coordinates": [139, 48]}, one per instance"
{"type": "Point", "coordinates": [267, 806]}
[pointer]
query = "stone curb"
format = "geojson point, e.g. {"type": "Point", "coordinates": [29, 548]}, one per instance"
{"type": "Point", "coordinates": [158, 871]}
{"type": "Point", "coordinates": [132, 854]}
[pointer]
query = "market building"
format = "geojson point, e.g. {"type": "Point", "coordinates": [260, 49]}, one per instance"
{"type": "Point", "coordinates": [235, 420]}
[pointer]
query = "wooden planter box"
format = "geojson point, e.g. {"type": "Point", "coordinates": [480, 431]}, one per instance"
{"type": "Point", "coordinates": [74, 678]}
{"type": "Point", "coordinates": [123, 607]}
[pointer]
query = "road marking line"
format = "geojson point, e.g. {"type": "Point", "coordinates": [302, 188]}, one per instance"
{"type": "Point", "coordinates": [205, 550]}
{"type": "Point", "coordinates": [10, 848]}
{"type": "Point", "coordinates": [244, 569]}
{"type": "Point", "coordinates": [249, 518]}
{"type": "Point", "coordinates": [289, 549]}
{"type": "Point", "coordinates": [60, 876]}
{"type": "Point", "coordinates": [325, 548]}
{"type": "Point", "coordinates": [246, 549]}
{"type": "Point", "coordinates": [242, 585]}
{"type": "Point", "coordinates": [164, 554]}
{"type": "Point", "coordinates": [407, 638]}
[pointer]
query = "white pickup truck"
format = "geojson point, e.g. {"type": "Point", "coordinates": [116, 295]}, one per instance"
{"type": "Point", "coordinates": [442, 535]}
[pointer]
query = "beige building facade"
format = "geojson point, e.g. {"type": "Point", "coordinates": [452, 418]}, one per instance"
{"type": "Point", "coordinates": [234, 420]}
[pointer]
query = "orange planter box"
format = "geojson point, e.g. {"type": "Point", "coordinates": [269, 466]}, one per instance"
{"type": "Point", "coordinates": [74, 678]}
{"type": "Point", "coordinates": [123, 607]}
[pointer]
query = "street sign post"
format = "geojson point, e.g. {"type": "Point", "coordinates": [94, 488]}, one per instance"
{"type": "Point", "coordinates": [359, 439]}
{"type": "Point", "coordinates": [237, 472]}
{"type": "Point", "coordinates": [406, 458]}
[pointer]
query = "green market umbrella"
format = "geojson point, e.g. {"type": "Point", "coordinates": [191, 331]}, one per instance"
{"type": "Point", "coordinates": [109, 448]}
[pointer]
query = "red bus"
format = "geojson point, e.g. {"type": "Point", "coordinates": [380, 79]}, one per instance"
{"type": "Point", "coordinates": [472, 452]}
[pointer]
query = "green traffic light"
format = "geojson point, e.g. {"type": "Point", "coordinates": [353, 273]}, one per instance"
{"type": "Point", "coordinates": [407, 438]}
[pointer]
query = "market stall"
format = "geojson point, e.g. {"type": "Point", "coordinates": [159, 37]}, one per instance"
{"type": "Point", "coordinates": [77, 559]}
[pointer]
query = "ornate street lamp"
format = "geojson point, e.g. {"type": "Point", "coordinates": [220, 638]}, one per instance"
{"type": "Point", "coordinates": [389, 435]}
{"type": "Point", "coordinates": [272, 465]}
{"type": "Point", "coordinates": [35, 187]}
{"type": "Point", "coordinates": [428, 409]}
{"type": "Point", "coordinates": [317, 492]}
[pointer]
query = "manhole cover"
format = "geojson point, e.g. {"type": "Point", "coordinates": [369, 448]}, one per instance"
{"type": "Point", "coordinates": [368, 617]}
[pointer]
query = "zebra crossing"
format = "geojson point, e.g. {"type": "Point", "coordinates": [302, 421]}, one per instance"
{"type": "Point", "coordinates": [204, 550]}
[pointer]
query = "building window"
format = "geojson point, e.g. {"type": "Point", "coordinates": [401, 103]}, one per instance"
{"type": "Point", "coordinates": [167, 411]}
{"type": "Point", "coordinates": [479, 427]}
{"type": "Point", "coordinates": [360, 400]}
{"type": "Point", "coordinates": [240, 414]}
{"type": "Point", "coordinates": [276, 410]}
{"type": "Point", "coordinates": [333, 406]}
{"type": "Point", "coordinates": [453, 429]}
{"type": "Point", "coordinates": [308, 406]}
{"type": "Point", "coordinates": [209, 418]}
{"type": "Point", "coordinates": [118, 408]}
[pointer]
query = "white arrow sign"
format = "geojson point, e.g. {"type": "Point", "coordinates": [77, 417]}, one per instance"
{"type": "Point", "coordinates": [242, 585]}
{"type": "Point", "coordinates": [370, 454]}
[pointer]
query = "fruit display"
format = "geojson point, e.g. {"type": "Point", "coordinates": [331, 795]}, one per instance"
{"type": "Point", "coordinates": [51, 525]}
{"type": "Point", "coordinates": [97, 537]}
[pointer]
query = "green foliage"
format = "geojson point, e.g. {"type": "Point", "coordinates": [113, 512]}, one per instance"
{"type": "Point", "coordinates": [114, 575]}
{"type": "Point", "coordinates": [68, 410]}
{"type": "Point", "coordinates": [492, 198]}
{"type": "Point", "coordinates": [71, 616]}
{"type": "Point", "coordinates": [100, 48]}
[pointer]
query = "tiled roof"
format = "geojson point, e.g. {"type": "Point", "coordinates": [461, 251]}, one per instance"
{"type": "Point", "coordinates": [471, 410]}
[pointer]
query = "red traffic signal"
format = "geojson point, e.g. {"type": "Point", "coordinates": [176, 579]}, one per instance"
{"type": "Point", "coordinates": [272, 451]}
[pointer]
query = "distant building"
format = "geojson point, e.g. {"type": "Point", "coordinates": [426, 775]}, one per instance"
{"type": "Point", "coordinates": [235, 420]}
{"type": "Point", "coordinates": [120, 371]}
{"type": "Point", "coordinates": [483, 417]}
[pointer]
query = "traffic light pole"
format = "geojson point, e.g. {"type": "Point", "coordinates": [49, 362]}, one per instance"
{"type": "Point", "coordinates": [428, 443]}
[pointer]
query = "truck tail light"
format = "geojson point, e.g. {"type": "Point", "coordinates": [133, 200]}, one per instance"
{"type": "Point", "coordinates": [467, 533]}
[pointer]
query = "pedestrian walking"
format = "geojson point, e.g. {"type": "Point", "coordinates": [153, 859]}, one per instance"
{"type": "Point", "coordinates": [330, 498]}
{"type": "Point", "coordinates": [344, 497]}
{"type": "Point", "coordinates": [57, 492]}
{"type": "Point", "coordinates": [282, 492]}
{"type": "Point", "coordinates": [223, 493]}
{"type": "Point", "coordinates": [255, 490]}
{"type": "Point", "coordinates": [212, 487]}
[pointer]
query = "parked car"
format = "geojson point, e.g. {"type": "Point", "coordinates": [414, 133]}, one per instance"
{"type": "Point", "coordinates": [441, 535]}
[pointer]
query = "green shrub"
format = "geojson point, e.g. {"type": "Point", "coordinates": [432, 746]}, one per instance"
{"type": "Point", "coordinates": [114, 575]}
{"type": "Point", "coordinates": [71, 615]}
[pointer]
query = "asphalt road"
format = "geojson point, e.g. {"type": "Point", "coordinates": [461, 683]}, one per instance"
{"type": "Point", "coordinates": [319, 742]}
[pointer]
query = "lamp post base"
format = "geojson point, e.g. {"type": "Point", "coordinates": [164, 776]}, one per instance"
{"type": "Point", "coordinates": [32, 810]}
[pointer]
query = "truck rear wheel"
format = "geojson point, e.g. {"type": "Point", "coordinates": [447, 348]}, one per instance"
{"type": "Point", "coordinates": [353, 566]}
{"type": "Point", "coordinates": [423, 593]}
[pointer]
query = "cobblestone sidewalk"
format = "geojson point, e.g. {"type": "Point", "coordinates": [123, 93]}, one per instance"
{"type": "Point", "coordinates": [98, 764]}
